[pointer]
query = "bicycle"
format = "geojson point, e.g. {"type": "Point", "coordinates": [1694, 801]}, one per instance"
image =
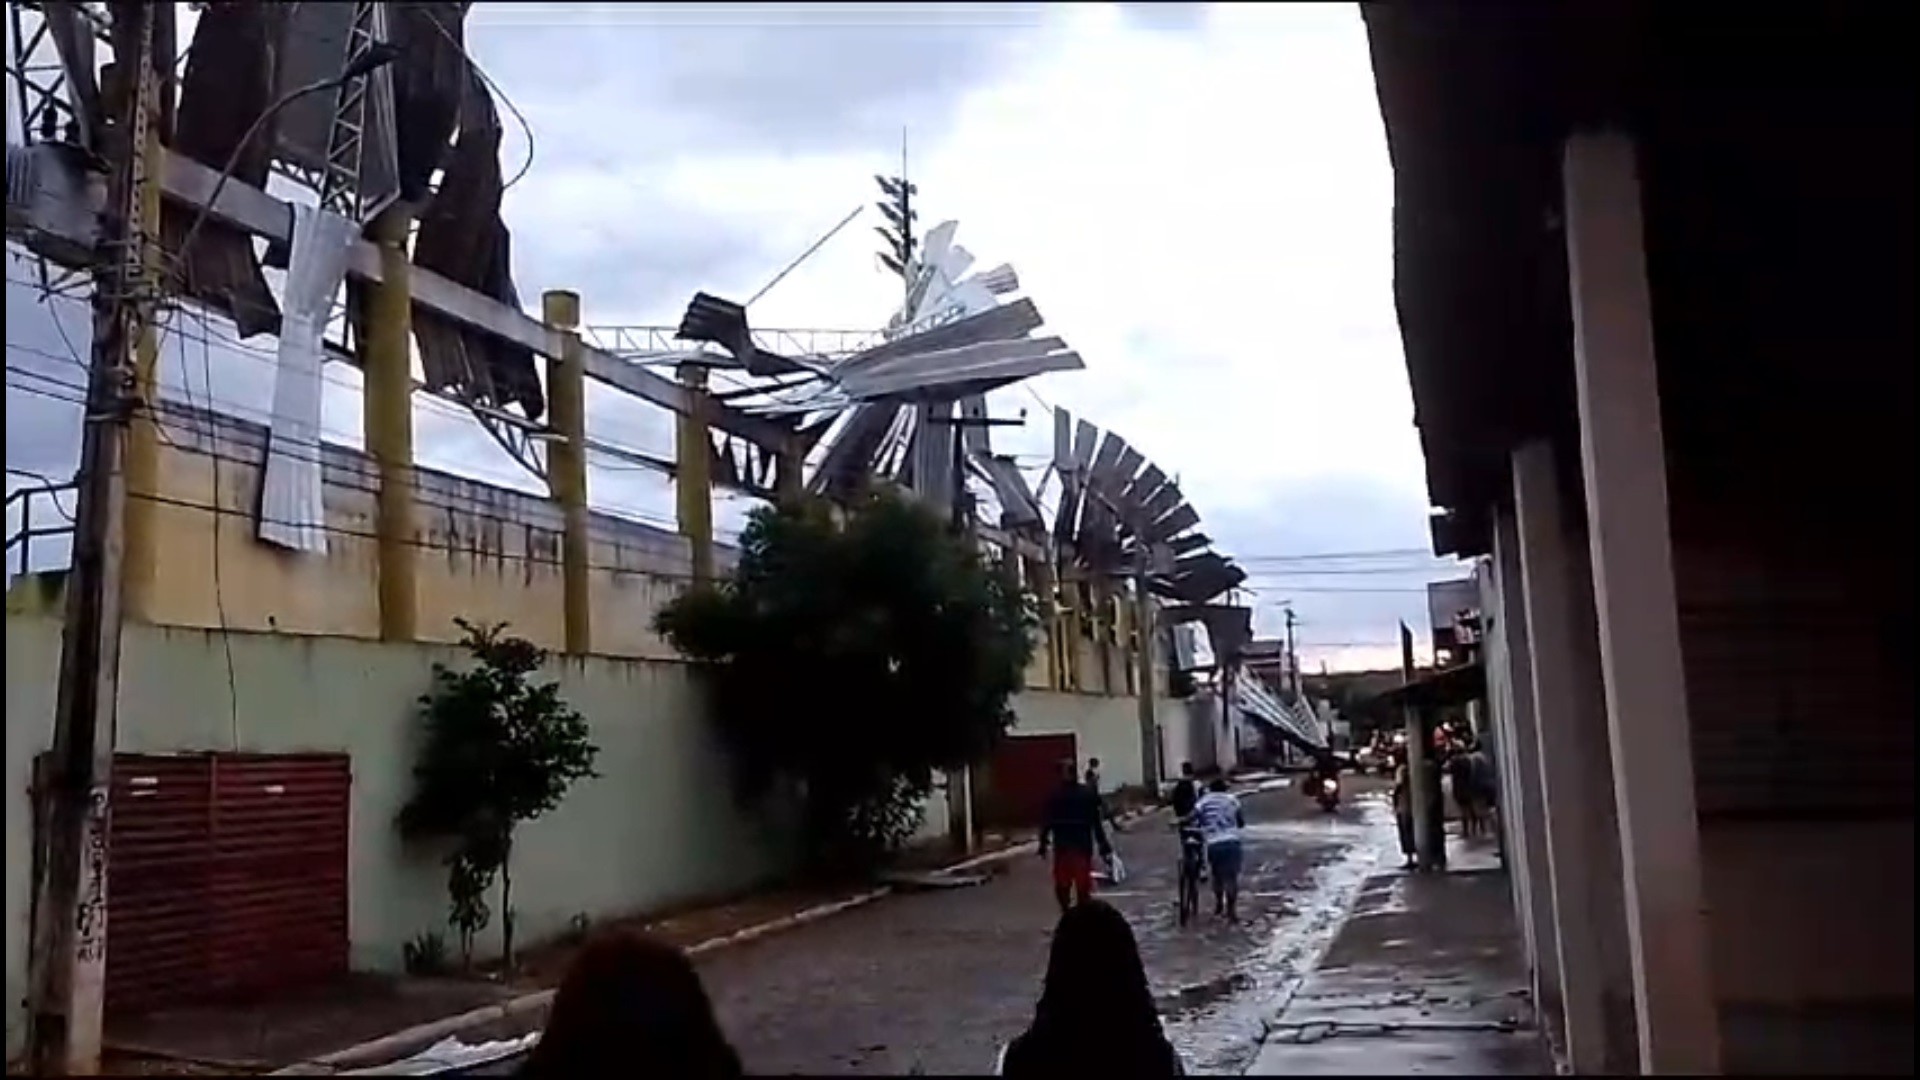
{"type": "Point", "coordinates": [1193, 854]}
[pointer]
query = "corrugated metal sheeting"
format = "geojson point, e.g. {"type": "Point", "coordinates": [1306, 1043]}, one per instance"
{"type": "Point", "coordinates": [229, 875]}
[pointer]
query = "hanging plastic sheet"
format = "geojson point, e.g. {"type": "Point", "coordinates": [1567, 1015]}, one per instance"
{"type": "Point", "coordinates": [292, 509]}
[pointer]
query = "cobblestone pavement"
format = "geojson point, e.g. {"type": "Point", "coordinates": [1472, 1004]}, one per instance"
{"type": "Point", "coordinates": [935, 982]}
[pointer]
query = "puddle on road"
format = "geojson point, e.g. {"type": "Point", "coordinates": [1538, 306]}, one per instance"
{"type": "Point", "coordinates": [1218, 1026]}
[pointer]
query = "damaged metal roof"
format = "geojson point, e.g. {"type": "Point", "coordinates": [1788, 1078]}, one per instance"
{"type": "Point", "coordinates": [1116, 508]}
{"type": "Point", "coordinates": [429, 113]}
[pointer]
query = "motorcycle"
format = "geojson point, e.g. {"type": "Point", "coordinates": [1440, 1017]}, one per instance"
{"type": "Point", "coordinates": [1329, 794]}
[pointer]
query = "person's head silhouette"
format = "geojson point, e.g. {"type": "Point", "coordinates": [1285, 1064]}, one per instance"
{"type": "Point", "coordinates": [1096, 1013]}
{"type": "Point", "coordinates": [630, 1000]}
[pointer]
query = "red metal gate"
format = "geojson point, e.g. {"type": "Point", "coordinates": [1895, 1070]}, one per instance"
{"type": "Point", "coordinates": [1023, 772]}
{"type": "Point", "coordinates": [229, 875]}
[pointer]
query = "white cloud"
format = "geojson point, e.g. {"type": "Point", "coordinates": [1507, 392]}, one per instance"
{"type": "Point", "coordinates": [1202, 208]}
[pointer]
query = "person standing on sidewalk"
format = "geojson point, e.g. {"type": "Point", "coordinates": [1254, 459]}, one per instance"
{"type": "Point", "coordinates": [1072, 831]}
{"type": "Point", "coordinates": [1220, 819]}
{"type": "Point", "coordinates": [1403, 810]}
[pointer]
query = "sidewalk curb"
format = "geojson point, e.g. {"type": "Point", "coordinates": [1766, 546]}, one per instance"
{"type": "Point", "coordinates": [390, 1047]}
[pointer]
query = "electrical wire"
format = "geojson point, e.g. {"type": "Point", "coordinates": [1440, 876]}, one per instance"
{"type": "Point", "coordinates": [608, 451]}
{"type": "Point", "coordinates": [219, 586]}
{"type": "Point", "coordinates": [499, 92]}
{"type": "Point", "coordinates": [193, 423]}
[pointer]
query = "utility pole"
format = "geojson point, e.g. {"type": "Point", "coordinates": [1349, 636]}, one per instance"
{"type": "Point", "coordinates": [961, 809]}
{"type": "Point", "coordinates": [68, 958]}
{"type": "Point", "coordinates": [1293, 658]}
{"type": "Point", "coordinates": [962, 506]}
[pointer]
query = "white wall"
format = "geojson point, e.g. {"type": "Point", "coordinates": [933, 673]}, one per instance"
{"type": "Point", "coordinates": [660, 826]}
{"type": "Point", "coordinates": [1107, 728]}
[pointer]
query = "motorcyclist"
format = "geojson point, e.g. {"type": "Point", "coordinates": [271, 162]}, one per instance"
{"type": "Point", "coordinates": [1326, 770]}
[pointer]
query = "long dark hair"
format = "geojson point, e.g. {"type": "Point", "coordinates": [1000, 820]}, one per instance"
{"type": "Point", "coordinates": [631, 1000]}
{"type": "Point", "coordinates": [1096, 1014]}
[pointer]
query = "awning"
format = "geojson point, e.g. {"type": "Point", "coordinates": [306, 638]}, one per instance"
{"type": "Point", "coordinates": [1454, 686]}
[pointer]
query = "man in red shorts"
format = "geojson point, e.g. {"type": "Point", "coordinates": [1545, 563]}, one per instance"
{"type": "Point", "coordinates": [1073, 832]}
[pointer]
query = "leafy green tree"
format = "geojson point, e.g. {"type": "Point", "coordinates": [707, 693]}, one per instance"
{"type": "Point", "coordinates": [499, 750]}
{"type": "Point", "coordinates": [851, 654]}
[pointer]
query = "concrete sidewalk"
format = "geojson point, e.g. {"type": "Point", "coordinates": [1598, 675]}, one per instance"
{"type": "Point", "coordinates": [1425, 978]}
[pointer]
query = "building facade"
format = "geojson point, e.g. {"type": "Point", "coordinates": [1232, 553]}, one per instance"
{"type": "Point", "coordinates": [1655, 281]}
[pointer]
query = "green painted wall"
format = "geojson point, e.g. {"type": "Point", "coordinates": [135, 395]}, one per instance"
{"type": "Point", "coordinates": [660, 826]}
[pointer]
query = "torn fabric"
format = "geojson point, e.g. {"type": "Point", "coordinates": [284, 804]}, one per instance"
{"type": "Point", "coordinates": [293, 511]}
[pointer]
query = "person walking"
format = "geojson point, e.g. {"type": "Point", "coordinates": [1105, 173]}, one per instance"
{"type": "Point", "coordinates": [1072, 831]}
{"type": "Point", "coordinates": [631, 1003]}
{"type": "Point", "coordinates": [1186, 792]}
{"type": "Point", "coordinates": [1466, 792]}
{"type": "Point", "coordinates": [1099, 792]}
{"type": "Point", "coordinates": [1096, 1015]}
{"type": "Point", "coordinates": [1403, 810]}
{"type": "Point", "coordinates": [1220, 818]}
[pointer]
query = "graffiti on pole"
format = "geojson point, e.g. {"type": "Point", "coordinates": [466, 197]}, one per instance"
{"type": "Point", "coordinates": [90, 913]}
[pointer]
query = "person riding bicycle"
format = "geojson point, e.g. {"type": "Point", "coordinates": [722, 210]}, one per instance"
{"type": "Point", "coordinates": [1186, 793]}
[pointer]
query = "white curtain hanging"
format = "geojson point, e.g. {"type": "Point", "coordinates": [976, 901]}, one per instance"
{"type": "Point", "coordinates": [292, 509]}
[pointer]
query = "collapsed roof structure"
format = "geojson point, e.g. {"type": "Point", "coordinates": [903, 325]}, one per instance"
{"type": "Point", "coordinates": [422, 129]}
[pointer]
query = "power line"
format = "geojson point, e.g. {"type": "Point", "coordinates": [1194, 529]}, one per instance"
{"type": "Point", "coordinates": [287, 445]}
{"type": "Point", "coordinates": [1369, 571]}
{"type": "Point", "coordinates": [505, 99]}
{"type": "Point", "coordinates": [1319, 556]}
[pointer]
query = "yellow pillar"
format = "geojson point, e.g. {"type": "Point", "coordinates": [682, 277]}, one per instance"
{"type": "Point", "coordinates": [693, 475]}
{"type": "Point", "coordinates": [386, 357]}
{"type": "Point", "coordinates": [1102, 631]}
{"type": "Point", "coordinates": [143, 433]}
{"type": "Point", "coordinates": [567, 462]}
{"type": "Point", "coordinates": [1072, 622]}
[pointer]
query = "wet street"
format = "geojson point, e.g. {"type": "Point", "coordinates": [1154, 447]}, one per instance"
{"type": "Point", "coordinates": [935, 982]}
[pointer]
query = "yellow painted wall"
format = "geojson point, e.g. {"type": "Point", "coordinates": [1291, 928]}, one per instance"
{"type": "Point", "coordinates": [483, 553]}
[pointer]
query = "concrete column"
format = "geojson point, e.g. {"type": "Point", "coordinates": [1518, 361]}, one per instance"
{"type": "Point", "coordinates": [1567, 787]}
{"type": "Point", "coordinates": [387, 362]}
{"type": "Point", "coordinates": [1623, 459]}
{"type": "Point", "coordinates": [567, 465]}
{"type": "Point", "coordinates": [693, 472]}
{"type": "Point", "coordinates": [1149, 720]}
{"type": "Point", "coordinates": [789, 479]}
{"type": "Point", "coordinates": [1523, 806]}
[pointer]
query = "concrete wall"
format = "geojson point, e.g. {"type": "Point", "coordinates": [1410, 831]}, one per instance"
{"type": "Point", "coordinates": [658, 827]}
{"type": "Point", "coordinates": [485, 553]}
{"type": "Point", "coordinates": [1104, 727]}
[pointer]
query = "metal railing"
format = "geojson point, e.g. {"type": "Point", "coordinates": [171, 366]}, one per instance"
{"type": "Point", "coordinates": [45, 496]}
{"type": "Point", "coordinates": [639, 341]}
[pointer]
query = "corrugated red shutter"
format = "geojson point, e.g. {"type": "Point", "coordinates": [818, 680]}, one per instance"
{"type": "Point", "coordinates": [159, 924]}
{"type": "Point", "coordinates": [1024, 770]}
{"type": "Point", "coordinates": [278, 870]}
{"type": "Point", "coordinates": [229, 875]}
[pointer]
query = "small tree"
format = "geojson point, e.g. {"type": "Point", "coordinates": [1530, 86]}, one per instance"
{"type": "Point", "coordinates": [500, 750]}
{"type": "Point", "coordinates": [851, 655]}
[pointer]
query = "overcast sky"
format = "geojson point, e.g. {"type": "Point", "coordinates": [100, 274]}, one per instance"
{"type": "Point", "coordinates": [1197, 198]}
